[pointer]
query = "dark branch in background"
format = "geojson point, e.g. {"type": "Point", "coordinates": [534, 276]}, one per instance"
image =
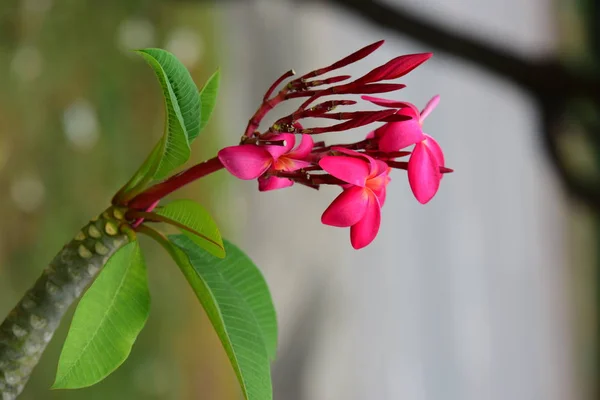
{"type": "Point", "coordinates": [594, 27]}
{"type": "Point", "coordinates": [547, 81]}
{"type": "Point", "coordinates": [547, 76]}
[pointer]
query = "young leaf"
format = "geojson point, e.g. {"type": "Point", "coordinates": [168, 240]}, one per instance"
{"type": "Point", "coordinates": [146, 170]}
{"type": "Point", "coordinates": [195, 217]}
{"type": "Point", "coordinates": [208, 99]}
{"type": "Point", "coordinates": [182, 109]}
{"type": "Point", "coordinates": [230, 315]}
{"type": "Point", "coordinates": [107, 321]}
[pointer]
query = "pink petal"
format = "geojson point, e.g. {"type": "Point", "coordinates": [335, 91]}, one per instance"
{"type": "Point", "coordinates": [349, 169]}
{"type": "Point", "coordinates": [370, 135]}
{"type": "Point", "coordinates": [347, 209]}
{"type": "Point", "coordinates": [304, 149]}
{"type": "Point", "coordinates": [435, 148]}
{"type": "Point", "coordinates": [284, 163]}
{"type": "Point", "coordinates": [352, 153]}
{"type": "Point", "coordinates": [430, 106]}
{"type": "Point", "coordinates": [278, 151]}
{"type": "Point", "coordinates": [391, 103]}
{"type": "Point", "coordinates": [273, 182]}
{"type": "Point", "coordinates": [245, 161]}
{"type": "Point", "coordinates": [395, 136]}
{"type": "Point", "coordinates": [381, 195]}
{"type": "Point", "coordinates": [364, 231]}
{"type": "Point", "coordinates": [423, 173]}
{"type": "Point", "coordinates": [381, 169]}
{"type": "Point", "coordinates": [379, 181]}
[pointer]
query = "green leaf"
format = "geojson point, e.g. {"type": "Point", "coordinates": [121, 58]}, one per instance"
{"type": "Point", "coordinates": [230, 313]}
{"type": "Point", "coordinates": [182, 109]}
{"type": "Point", "coordinates": [245, 277]}
{"type": "Point", "coordinates": [208, 99]}
{"type": "Point", "coordinates": [195, 217]}
{"type": "Point", "coordinates": [107, 321]}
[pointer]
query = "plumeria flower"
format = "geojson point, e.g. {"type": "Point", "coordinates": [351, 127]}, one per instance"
{"type": "Point", "coordinates": [361, 169]}
{"type": "Point", "coordinates": [359, 205]}
{"type": "Point", "coordinates": [426, 162]}
{"type": "Point", "coordinates": [425, 168]}
{"type": "Point", "coordinates": [394, 136]}
{"type": "Point", "coordinates": [249, 161]}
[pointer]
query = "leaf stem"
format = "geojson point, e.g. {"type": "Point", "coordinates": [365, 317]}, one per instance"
{"type": "Point", "coordinates": [151, 217]}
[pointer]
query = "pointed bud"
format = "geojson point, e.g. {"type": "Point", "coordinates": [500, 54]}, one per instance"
{"type": "Point", "coordinates": [370, 89]}
{"type": "Point", "coordinates": [352, 58]}
{"type": "Point", "coordinates": [360, 114]}
{"type": "Point", "coordinates": [395, 68]}
{"type": "Point", "coordinates": [365, 118]}
{"type": "Point", "coordinates": [301, 84]}
{"type": "Point", "coordinates": [282, 78]}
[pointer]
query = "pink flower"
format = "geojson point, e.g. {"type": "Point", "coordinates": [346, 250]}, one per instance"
{"type": "Point", "coordinates": [427, 159]}
{"type": "Point", "coordinates": [359, 205]}
{"type": "Point", "coordinates": [249, 161]}
{"type": "Point", "coordinates": [424, 169]}
{"type": "Point", "coordinates": [394, 136]}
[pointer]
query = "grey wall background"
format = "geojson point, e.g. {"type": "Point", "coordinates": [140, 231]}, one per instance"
{"type": "Point", "coordinates": [464, 298]}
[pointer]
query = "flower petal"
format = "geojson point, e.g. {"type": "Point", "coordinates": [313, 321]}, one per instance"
{"type": "Point", "coordinates": [395, 136]}
{"type": "Point", "coordinates": [378, 183]}
{"type": "Point", "coordinates": [381, 168]}
{"type": "Point", "coordinates": [348, 208]}
{"type": "Point", "coordinates": [381, 195]}
{"type": "Point", "coordinates": [364, 231]}
{"type": "Point", "coordinates": [430, 106]}
{"type": "Point", "coordinates": [245, 161]}
{"type": "Point", "coordinates": [273, 182]}
{"type": "Point", "coordinates": [284, 163]}
{"type": "Point", "coordinates": [435, 148]}
{"type": "Point", "coordinates": [349, 169]}
{"type": "Point", "coordinates": [352, 153]}
{"type": "Point", "coordinates": [304, 149]}
{"type": "Point", "coordinates": [423, 173]}
{"type": "Point", "coordinates": [391, 103]}
{"type": "Point", "coordinates": [278, 151]}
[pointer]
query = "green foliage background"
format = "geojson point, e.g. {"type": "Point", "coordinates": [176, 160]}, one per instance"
{"type": "Point", "coordinates": [52, 54]}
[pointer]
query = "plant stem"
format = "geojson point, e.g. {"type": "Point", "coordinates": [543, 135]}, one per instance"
{"type": "Point", "coordinates": [29, 327]}
{"type": "Point", "coordinates": [151, 217]}
{"type": "Point", "coordinates": [264, 108]}
{"type": "Point", "coordinates": [160, 190]}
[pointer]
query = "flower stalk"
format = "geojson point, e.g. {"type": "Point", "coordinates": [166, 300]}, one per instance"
{"type": "Point", "coordinates": [277, 160]}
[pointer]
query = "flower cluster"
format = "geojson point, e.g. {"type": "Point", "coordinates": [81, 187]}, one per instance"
{"type": "Point", "coordinates": [285, 153]}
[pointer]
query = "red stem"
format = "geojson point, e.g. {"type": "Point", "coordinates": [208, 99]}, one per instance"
{"type": "Point", "coordinates": [277, 83]}
{"type": "Point", "coordinates": [264, 108]}
{"type": "Point", "coordinates": [398, 164]}
{"type": "Point", "coordinates": [141, 220]}
{"type": "Point", "coordinates": [149, 196]}
{"type": "Point", "coordinates": [310, 180]}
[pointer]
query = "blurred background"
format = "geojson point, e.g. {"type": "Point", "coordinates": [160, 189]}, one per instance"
{"type": "Point", "coordinates": [488, 292]}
